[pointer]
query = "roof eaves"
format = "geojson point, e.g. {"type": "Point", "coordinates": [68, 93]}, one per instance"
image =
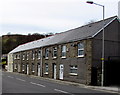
{"type": "Point", "coordinates": [104, 27]}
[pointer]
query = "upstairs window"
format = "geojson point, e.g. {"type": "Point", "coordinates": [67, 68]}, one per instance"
{"type": "Point", "coordinates": [80, 50]}
{"type": "Point", "coordinates": [54, 52]}
{"type": "Point", "coordinates": [27, 55]}
{"type": "Point", "coordinates": [15, 56]}
{"type": "Point", "coordinates": [46, 53]}
{"type": "Point", "coordinates": [64, 51]}
{"type": "Point", "coordinates": [33, 55]}
{"type": "Point", "coordinates": [18, 57]}
{"type": "Point", "coordinates": [39, 54]}
{"type": "Point", "coordinates": [23, 56]}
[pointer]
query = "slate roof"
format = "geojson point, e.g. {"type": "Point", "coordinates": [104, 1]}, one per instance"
{"type": "Point", "coordinates": [80, 33]}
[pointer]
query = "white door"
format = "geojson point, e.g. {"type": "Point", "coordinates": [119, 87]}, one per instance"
{"type": "Point", "coordinates": [54, 71]}
{"type": "Point", "coordinates": [38, 70]}
{"type": "Point", "coordinates": [27, 69]}
{"type": "Point", "coordinates": [61, 71]}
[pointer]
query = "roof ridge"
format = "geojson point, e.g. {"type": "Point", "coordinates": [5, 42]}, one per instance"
{"type": "Point", "coordinates": [76, 33]}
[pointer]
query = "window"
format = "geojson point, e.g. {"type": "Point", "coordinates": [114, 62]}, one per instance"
{"type": "Point", "coordinates": [63, 51]}
{"type": "Point", "coordinates": [33, 55]}
{"type": "Point", "coordinates": [33, 67]}
{"type": "Point", "coordinates": [15, 66]}
{"type": "Point", "coordinates": [14, 56]}
{"type": "Point", "coordinates": [46, 53]}
{"type": "Point", "coordinates": [23, 67]}
{"type": "Point", "coordinates": [18, 57]}
{"type": "Point", "coordinates": [39, 54]}
{"type": "Point", "coordinates": [80, 50]}
{"type": "Point", "coordinates": [73, 70]}
{"type": "Point", "coordinates": [46, 68]}
{"type": "Point", "coordinates": [27, 55]}
{"type": "Point", "coordinates": [54, 52]}
{"type": "Point", "coordinates": [23, 56]}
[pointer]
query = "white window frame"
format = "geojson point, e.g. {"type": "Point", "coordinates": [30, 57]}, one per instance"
{"type": "Point", "coordinates": [46, 53]}
{"type": "Point", "coordinates": [39, 54]}
{"type": "Point", "coordinates": [73, 67]}
{"type": "Point", "coordinates": [33, 55]}
{"type": "Point", "coordinates": [33, 67]}
{"type": "Point", "coordinates": [27, 55]}
{"type": "Point", "coordinates": [15, 56]}
{"type": "Point", "coordinates": [64, 49]}
{"type": "Point", "coordinates": [80, 49]}
{"type": "Point", "coordinates": [23, 56]}
{"type": "Point", "coordinates": [23, 67]}
{"type": "Point", "coordinates": [15, 66]}
{"type": "Point", "coordinates": [18, 56]}
{"type": "Point", "coordinates": [54, 50]}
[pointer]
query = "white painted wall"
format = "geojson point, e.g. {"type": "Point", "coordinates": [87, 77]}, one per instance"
{"type": "Point", "coordinates": [10, 62]}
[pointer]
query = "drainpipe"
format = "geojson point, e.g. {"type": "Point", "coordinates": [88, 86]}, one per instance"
{"type": "Point", "coordinates": [41, 63]}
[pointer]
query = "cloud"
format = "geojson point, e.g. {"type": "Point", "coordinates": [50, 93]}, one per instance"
{"type": "Point", "coordinates": [50, 15]}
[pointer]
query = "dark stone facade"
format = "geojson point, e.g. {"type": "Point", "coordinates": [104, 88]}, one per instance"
{"type": "Point", "coordinates": [88, 66]}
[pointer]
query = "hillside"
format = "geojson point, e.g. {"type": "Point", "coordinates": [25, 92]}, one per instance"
{"type": "Point", "coordinates": [9, 42]}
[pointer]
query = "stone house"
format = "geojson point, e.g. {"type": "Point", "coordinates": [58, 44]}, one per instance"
{"type": "Point", "coordinates": [74, 55]}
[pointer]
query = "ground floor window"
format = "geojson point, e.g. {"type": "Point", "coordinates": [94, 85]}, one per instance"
{"type": "Point", "coordinates": [46, 68]}
{"type": "Point", "coordinates": [15, 66]}
{"type": "Point", "coordinates": [23, 67]}
{"type": "Point", "coordinates": [73, 69]}
{"type": "Point", "coordinates": [33, 67]}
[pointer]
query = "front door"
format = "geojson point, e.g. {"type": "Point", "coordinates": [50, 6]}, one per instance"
{"type": "Point", "coordinates": [38, 70]}
{"type": "Point", "coordinates": [54, 71]}
{"type": "Point", "coordinates": [61, 71]}
{"type": "Point", "coordinates": [27, 69]}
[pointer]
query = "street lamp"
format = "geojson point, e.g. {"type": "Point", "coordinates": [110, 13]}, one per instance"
{"type": "Point", "coordinates": [102, 77]}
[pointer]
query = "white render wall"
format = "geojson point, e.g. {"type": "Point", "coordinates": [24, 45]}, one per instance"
{"type": "Point", "coordinates": [10, 62]}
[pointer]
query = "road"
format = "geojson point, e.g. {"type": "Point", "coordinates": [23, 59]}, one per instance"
{"type": "Point", "coordinates": [17, 83]}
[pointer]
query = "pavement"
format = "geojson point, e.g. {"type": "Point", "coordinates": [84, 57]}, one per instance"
{"type": "Point", "coordinates": [111, 89]}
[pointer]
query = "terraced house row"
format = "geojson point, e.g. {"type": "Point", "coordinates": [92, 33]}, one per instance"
{"type": "Point", "coordinates": [74, 55]}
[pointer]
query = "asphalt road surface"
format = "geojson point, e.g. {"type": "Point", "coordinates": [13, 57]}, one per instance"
{"type": "Point", "coordinates": [17, 84]}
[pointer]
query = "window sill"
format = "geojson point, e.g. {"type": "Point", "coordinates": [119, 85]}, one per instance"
{"type": "Point", "coordinates": [63, 57]}
{"type": "Point", "coordinates": [46, 73]}
{"type": "Point", "coordinates": [33, 71]}
{"type": "Point", "coordinates": [73, 74]}
{"type": "Point", "coordinates": [54, 57]}
{"type": "Point", "coordinates": [46, 58]}
{"type": "Point", "coordinates": [80, 56]}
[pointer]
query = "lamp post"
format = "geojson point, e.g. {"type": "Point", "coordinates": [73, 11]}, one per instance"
{"type": "Point", "coordinates": [102, 59]}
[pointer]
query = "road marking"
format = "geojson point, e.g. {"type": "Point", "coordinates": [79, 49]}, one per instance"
{"type": "Point", "coordinates": [10, 76]}
{"type": "Point", "coordinates": [20, 79]}
{"type": "Point", "coordinates": [60, 91]}
{"type": "Point", "coordinates": [37, 84]}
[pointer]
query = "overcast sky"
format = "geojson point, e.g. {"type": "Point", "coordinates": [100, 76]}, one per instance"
{"type": "Point", "coordinates": [45, 16]}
